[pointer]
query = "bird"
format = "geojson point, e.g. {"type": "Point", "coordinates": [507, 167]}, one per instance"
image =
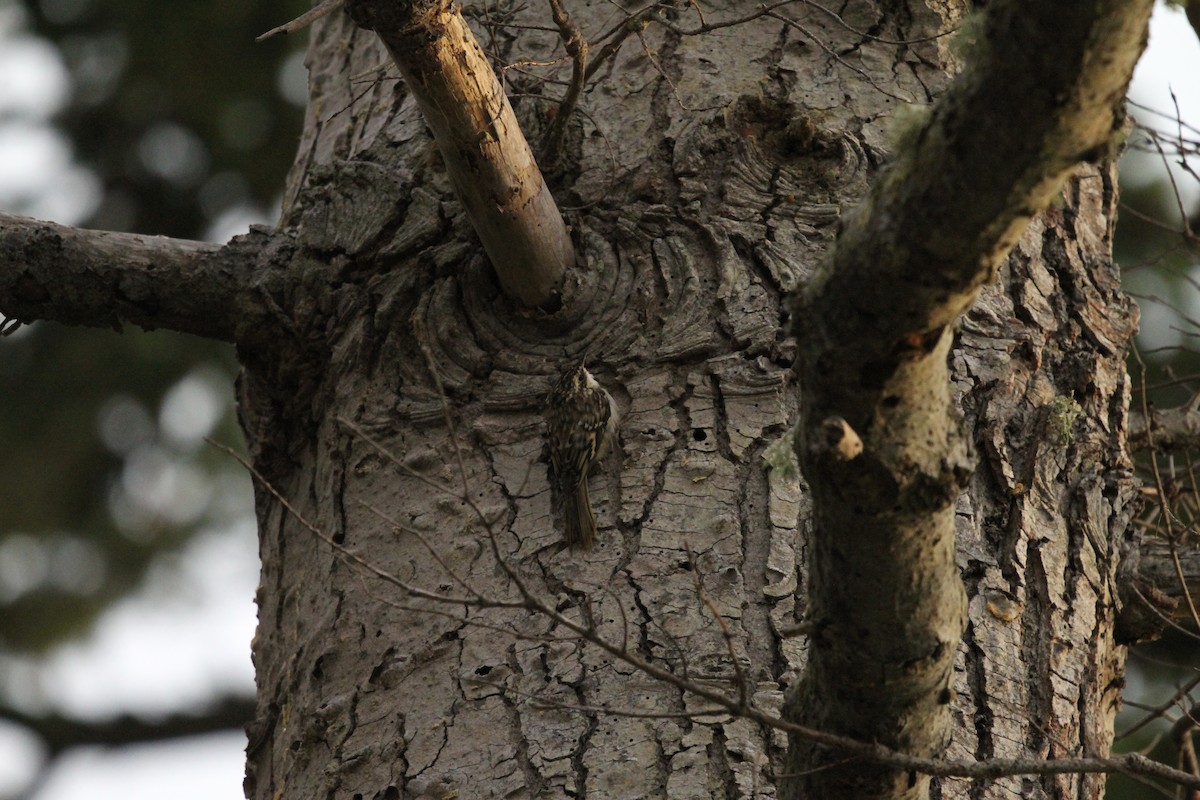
{"type": "Point", "coordinates": [581, 423]}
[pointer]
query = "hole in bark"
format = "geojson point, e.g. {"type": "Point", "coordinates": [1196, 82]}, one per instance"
{"type": "Point", "coordinates": [484, 670]}
{"type": "Point", "coordinates": [339, 537]}
{"type": "Point", "coordinates": [449, 636]}
{"type": "Point", "coordinates": [391, 793]}
{"type": "Point", "coordinates": [699, 435]}
{"type": "Point", "coordinates": [891, 401]}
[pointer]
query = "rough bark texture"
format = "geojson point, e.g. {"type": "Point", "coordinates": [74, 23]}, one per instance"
{"type": "Point", "coordinates": [486, 156]}
{"type": "Point", "coordinates": [1042, 89]}
{"type": "Point", "coordinates": [1040, 377]}
{"type": "Point", "coordinates": [709, 174]}
{"type": "Point", "coordinates": [392, 397]}
{"type": "Point", "coordinates": [157, 282]}
{"type": "Point", "coordinates": [705, 204]}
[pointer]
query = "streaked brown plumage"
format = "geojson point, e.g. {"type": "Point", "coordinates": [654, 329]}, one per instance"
{"type": "Point", "coordinates": [580, 421]}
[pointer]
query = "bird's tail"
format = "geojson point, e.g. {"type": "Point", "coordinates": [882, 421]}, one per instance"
{"type": "Point", "coordinates": [579, 523]}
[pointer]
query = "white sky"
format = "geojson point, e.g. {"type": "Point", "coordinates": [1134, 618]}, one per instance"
{"type": "Point", "coordinates": [1170, 65]}
{"type": "Point", "coordinates": [186, 637]}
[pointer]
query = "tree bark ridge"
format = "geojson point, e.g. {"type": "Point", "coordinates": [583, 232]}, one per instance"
{"type": "Point", "coordinates": [1041, 92]}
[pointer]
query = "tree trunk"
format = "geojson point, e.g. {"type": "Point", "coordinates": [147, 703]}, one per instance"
{"type": "Point", "coordinates": [425, 633]}
{"type": "Point", "coordinates": [1041, 379]}
{"type": "Point", "coordinates": [399, 415]}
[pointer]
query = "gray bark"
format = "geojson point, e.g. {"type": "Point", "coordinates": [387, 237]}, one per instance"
{"type": "Point", "coordinates": [702, 213]}
{"type": "Point", "coordinates": [1042, 90]}
{"type": "Point", "coordinates": [705, 181]}
{"type": "Point", "coordinates": [1043, 386]}
{"type": "Point", "coordinates": [158, 282]}
{"type": "Point", "coordinates": [689, 257]}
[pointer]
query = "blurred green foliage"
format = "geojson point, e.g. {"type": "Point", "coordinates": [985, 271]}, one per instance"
{"type": "Point", "coordinates": [174, 106]}
{"type": "Point", "coordinates": [190, 128]}
{"type": "Point", "coordinates": [1160, 269]}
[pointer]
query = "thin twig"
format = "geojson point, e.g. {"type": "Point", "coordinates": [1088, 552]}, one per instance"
{"type": "Point", "coordinates": [1173, 536]}
{"type": "Point", "coordinates": [743, 688]}
{"type": "Point", "coordinates": [1133, 764]}
{"type": "Point", "coordinates": [1158, 711]}
{"type": "Point", "coordinates": [382, 574]}
{"type": "Point", "coordinates": [304, 20]}
{"type": "Point", "coordinates": [454, 576]}
{"type": "Point", "coordinates": [577, 48]}
{"type": "Point", "coordinates": [543, 702]}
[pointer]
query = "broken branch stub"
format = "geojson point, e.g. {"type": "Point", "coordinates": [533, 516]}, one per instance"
{"type": "Point", "coordinates": [487, 157]}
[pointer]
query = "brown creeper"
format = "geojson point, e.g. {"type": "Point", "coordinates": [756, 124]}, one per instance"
{"type": "Point", "coordinates": [581, 421]}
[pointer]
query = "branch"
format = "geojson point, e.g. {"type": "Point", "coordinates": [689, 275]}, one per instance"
{"type": "Point", "coordinates": [1163, 566]}
{"type": "Point", "coordinates": [102, 279]}
{"type": "Point", "coordinates": [577, 48]}
{"type": "Point", "coordinates": [1171, 429]}
{"type": "Point", "coordinates": [323, 9]}
{"type": "Point", "coordinates": [1158, 585]}
{"type": "Point", "coordinates": [59, 733]}
{"type": "Point", "coordinates": [1043, 91]}
{"type": "Point", "coordinates": [996, 149]}
{"type": "Point", "coordinates": [486, 155]}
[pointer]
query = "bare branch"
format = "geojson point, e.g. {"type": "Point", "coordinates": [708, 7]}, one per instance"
{"type": "Point", "coordinates": [1042, 92]}
{"type": "Point", "coordinates": [1167, 576]}
{"type": "Point", "coordinates": [1170, 429]}
{"type": "Point", "coordinates": [1183, 734]}
{"type": "Point", "coordinates": [103, 279]}
{"type": "Point", "coordinates": [486, 155]}
{"type": "Point", "coordinates": [1163, 708]}
{"type": "Point", "coordinates": [58, 733]}
{"type": "Point", "coordinates": [325, 8]}
{"type": "Point", "coordinates": [577, 48]}
{"type": "Point", "coordinates": [994, 152]}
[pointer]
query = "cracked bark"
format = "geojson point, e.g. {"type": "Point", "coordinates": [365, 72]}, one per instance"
{"type": "Point", "coordinates": [875, 329]}
{"type": "Point", "coordinates": [709, 193]}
